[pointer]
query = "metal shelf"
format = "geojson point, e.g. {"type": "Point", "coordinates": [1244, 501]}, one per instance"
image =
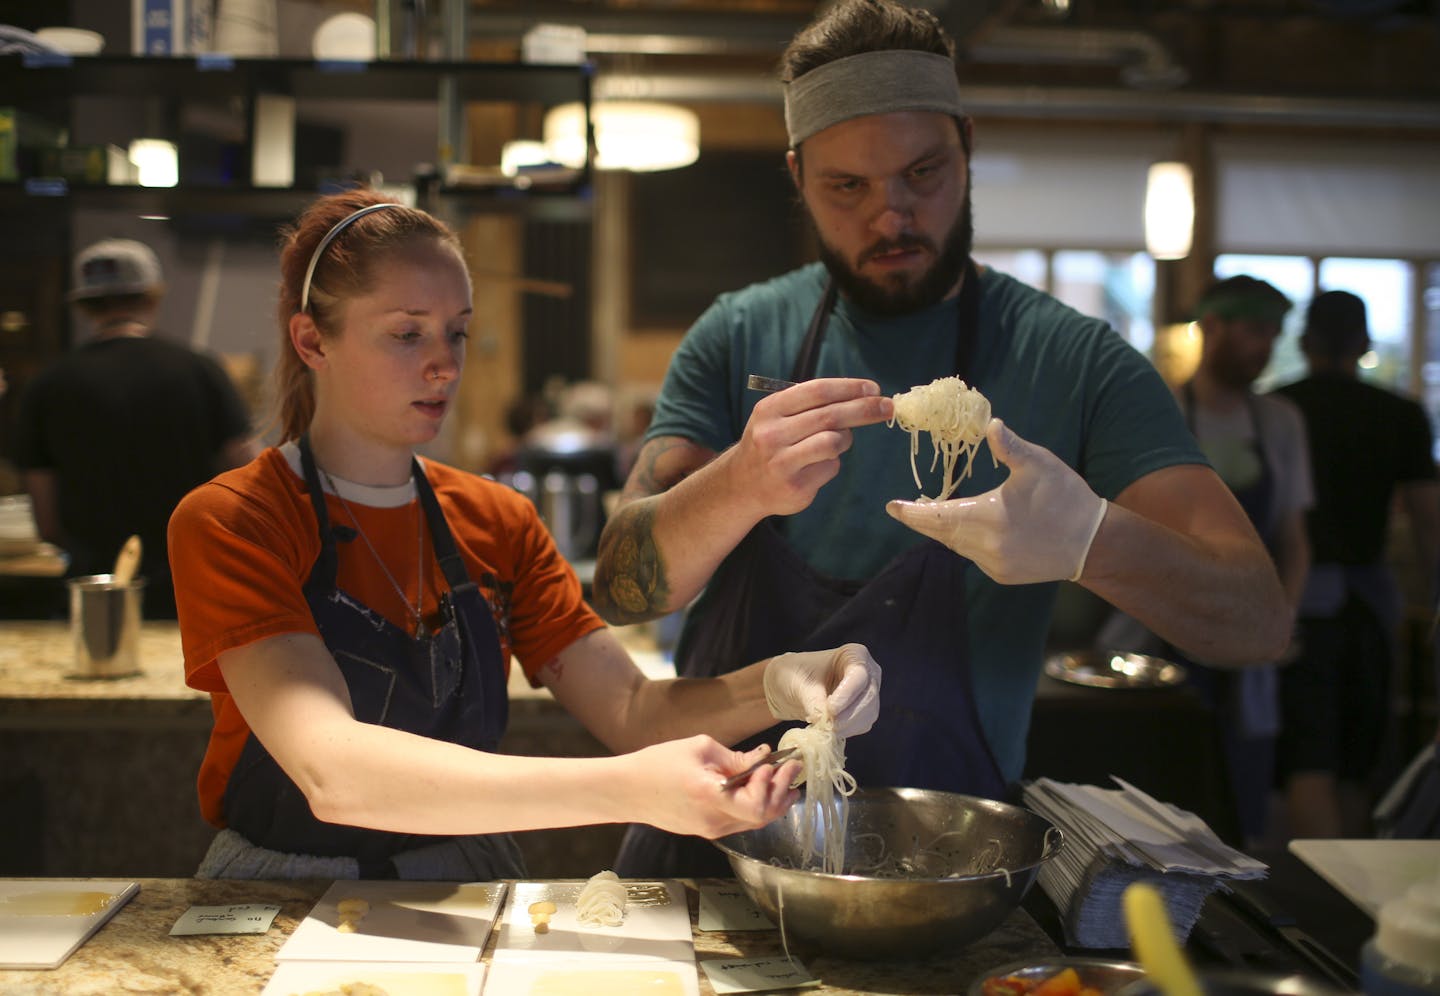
{"type": "Point", "coordinates": [37, 79]}
{"type": "Point", "coordinates": [196, 202]}
{"type": "Point", "coordinates": [210, 76]}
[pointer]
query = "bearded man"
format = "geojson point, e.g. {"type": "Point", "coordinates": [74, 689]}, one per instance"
{"type": "Point", "coordinates": [772, 507]}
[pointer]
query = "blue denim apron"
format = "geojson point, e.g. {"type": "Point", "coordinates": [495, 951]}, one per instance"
{"type": "Point", "coordinates": [1247, 701]}
{"type": "Point", "coordinates": [445, 684]}
{"type": "Point", "coordinates": [765, 599]}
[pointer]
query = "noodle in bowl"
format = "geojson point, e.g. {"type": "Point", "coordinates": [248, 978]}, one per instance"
{"type": "Point", "coordinates": [924, 871]}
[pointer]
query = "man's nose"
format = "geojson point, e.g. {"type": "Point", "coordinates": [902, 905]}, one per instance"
{"type": "Point", "coordinates": [895, 210]}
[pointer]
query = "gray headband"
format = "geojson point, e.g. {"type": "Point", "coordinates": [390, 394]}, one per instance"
{"type": "Point", "coordinates": [324, 244]}
{"type": "Point", "coordinates": [870, 83]}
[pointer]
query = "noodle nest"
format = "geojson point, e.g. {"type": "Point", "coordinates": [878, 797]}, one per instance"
{"type": "Point", "coordinates": [955, 416]}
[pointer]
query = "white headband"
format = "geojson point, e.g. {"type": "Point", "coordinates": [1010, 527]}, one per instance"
{"type": "Point", "coordinates": [330, 237]}
{"type": "Point", "coordinates": [870, 83]}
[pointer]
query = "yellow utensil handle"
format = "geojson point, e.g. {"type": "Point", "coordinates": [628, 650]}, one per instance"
{"type": "Point", "coordinates": [1154, 942]}
{"type": "Point", "coordinates": [128, 561]}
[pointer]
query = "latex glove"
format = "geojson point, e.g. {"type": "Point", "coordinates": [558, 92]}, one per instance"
{"type": "Point", "coordinates": [843, 683]}
{"type": "Point", "coordinates": [1037, 526]}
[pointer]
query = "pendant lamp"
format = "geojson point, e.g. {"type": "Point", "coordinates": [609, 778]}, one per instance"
{"type": "Point", "coordinates": [638, 135]}
{"type": "Point", "coordinates": [1169, 210]}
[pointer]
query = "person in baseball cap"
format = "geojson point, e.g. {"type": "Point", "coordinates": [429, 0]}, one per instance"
{"type": "Point", "coordinates": [1336, 328]}
{"type": "Point", "coordinates": [1372, 449]}
{"type": "Point", "coordinates": [113, 433]}
{"type": "Point", "coordinates": [117, 268]}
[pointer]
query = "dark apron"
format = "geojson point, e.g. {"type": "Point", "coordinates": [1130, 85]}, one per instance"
{"type": "Point", "coordinates": [765, 599]}
{"type": "Point", "coordinates": [448, 684]}
{"type": "Point", "coordinates": [1246, 700]}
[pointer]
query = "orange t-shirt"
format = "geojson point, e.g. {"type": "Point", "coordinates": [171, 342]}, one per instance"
{"type": "Point", "coordinates": [242, 545]}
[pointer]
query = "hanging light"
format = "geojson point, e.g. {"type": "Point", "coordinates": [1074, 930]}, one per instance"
{"type": "Point", "coordinates": [522, 152]}
{"type": "Point", "coordinates": [639, 135]}
{"type": "Point", "coordinates": [1169, 211]}
{"type": "Point", "coordinates": [156, 163]}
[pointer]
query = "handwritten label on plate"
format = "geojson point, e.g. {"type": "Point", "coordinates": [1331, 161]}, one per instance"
{"type": "Point", "coordinates": [246, 918]}
{"type": "Point", "coordinates": [726, 907]}
{"type": "Point", "coordinates": [749, 975]}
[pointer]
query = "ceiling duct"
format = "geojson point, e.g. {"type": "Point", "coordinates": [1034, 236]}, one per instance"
{"type": "Point", "coordinates": [1146, 63]}
{"type": "Point", "coordinates": [1072, 103]}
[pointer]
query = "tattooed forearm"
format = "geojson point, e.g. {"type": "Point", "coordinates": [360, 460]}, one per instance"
{"type": "Point", "coordinates": [630, 584]}
{"type": "Point", "coordinates": [662, 464]}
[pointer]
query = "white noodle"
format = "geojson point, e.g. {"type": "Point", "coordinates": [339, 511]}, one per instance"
{"type": "Point", "coordinates": [932, 860]}
{"type": "Point", "coordinates": [602, 900]}
{"type": "Point", "coordinates": [954, 415]}
{"type": "Point", "coordinates": [823, 754]}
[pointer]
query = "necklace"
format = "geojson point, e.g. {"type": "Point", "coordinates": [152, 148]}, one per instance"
{"type": "Point", "coordinates": [413, 610]}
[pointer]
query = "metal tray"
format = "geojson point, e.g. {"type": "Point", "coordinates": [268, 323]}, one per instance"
{"type": "Point", "coordinates": [1097, 669]}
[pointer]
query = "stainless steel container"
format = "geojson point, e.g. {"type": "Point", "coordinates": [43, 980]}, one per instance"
{"type": "Point", "coordinates": [105, 625]}
{"type": "Point", "coordinates": [965, 864]}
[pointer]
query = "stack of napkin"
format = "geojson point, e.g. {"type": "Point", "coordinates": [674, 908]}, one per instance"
{"type": "Point", "coordinates": [1117, 836]}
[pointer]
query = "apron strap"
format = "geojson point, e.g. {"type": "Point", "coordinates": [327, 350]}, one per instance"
{"type": "Point", "coordinates": [325, 571]}
{"type": "Point", "coordinates": [451, 565]}
{"type": "Point", "coordinates": [326, 565]}
{"type": "Point", "coordinates": [805, 362]}
{"type": "Point", "coordinates": [967, 325]}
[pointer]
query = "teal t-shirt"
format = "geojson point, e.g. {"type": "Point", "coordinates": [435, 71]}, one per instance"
{"type": "Point", "coordinates": [1057, 378]}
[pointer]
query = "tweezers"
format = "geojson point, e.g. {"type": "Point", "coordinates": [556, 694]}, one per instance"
{"type": "Point", "coordinates": [740, 778]}
{"type": "Point", "coordinates": [758, 383]}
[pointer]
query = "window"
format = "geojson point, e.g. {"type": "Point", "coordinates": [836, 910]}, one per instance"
{"type": "Point", "coordinates": [1028, 266]}
{"type": "Point", "coordinates": [1429, 327]}
{"type": "Point", "coordinates": [1118, 287]}
{"type": "Point", "coordinates": [1387, 286]}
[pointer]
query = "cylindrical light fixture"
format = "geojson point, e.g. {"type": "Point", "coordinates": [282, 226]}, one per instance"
{"type": "Point", "coordinates": [156, 163]}
{"type": "Point", "coordinates": [1169, 211]}
{"type": "Point", "coordinates": [639, 135]}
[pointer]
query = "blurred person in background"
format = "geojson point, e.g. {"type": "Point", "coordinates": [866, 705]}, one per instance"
{"type": "Point", "coordinates": [1369, 447]}
{"type": "Point", "coordinates": [1257, 445]}
{"type": "Point", "coordinates": [112, 435]}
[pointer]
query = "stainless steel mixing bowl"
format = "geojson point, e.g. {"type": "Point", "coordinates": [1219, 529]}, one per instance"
{"type": "Point", "coordinates": [950, 869]}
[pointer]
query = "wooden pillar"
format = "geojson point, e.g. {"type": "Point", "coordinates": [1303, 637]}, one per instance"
{"type": "Point", "coordinates": [1180, 282]}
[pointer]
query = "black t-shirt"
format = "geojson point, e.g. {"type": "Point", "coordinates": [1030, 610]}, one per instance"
{"type": "Point", "coordinates": [1364, 440]}
{"type": "Point", "coordinates": [128, 426]}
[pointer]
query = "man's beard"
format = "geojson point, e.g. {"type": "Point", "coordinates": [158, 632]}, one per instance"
{"type": "Point", "coordinates": [1236, 373]}
{"type": "Point", "coordinates": [898, 294]}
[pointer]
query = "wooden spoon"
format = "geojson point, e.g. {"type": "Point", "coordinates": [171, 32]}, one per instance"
{"type": "Point", "coordinates": [127, 561]}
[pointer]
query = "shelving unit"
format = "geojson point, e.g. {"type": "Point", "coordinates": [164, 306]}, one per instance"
{"type": "Point", "coordinates": [38, 81]}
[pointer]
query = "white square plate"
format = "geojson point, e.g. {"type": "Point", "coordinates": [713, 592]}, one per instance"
{"type": "Point", "coordinates": [407, 922]}
{"type": "Point", "coordinates": [43, 921]}
{"type": "Point", "coordinates": [1368, 872]}
{"type": "Point", "coordinates": [396, 978]}
{"type": "Point", "coordinates": [571, 979]}
{"type": "Point", "coordinates": [656, 926]}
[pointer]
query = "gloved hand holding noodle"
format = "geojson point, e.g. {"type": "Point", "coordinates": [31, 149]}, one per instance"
{"type": "Point", "coordinates": [1035, 527]}
{"type": "Point", "coordinates": [844, 682]}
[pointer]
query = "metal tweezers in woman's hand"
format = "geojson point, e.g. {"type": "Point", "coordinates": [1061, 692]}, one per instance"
{"type": "Point", "coordinates": [741, 777]}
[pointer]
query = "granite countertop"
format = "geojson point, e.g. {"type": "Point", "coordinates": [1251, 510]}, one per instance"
{"type": "Point", "coordinates": [37, 659]}
{"type": "Point", "coordinates": [38, 687]}
{"type": "Point", "coordinates": [134, 952]}
{"type": "Point", "coordinates": [37, 683]}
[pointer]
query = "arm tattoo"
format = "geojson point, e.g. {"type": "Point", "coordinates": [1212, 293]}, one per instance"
{"type": "Point", "coordinates": [631, 585]}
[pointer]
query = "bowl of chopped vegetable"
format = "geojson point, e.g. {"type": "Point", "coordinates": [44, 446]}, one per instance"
{"type": "Point", "coordinates": [922, 871]}
{"type": "Point", "coordinates": [1059, 977]}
